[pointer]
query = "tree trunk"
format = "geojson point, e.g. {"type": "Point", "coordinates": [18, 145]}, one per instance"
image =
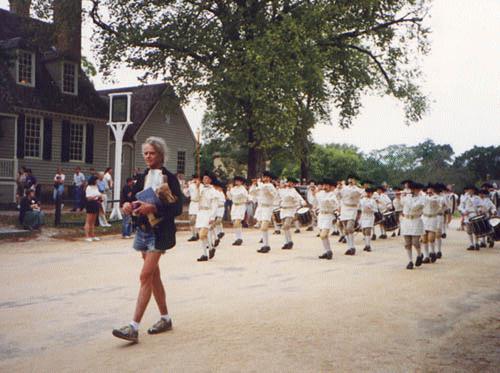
{"type": "Point", "coordinates": [304, 168]}
{"type": "Point", "coordinates": [256, 163]}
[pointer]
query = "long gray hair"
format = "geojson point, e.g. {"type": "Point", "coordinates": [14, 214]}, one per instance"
{"type": "Point", "coordinates": [159, 144]}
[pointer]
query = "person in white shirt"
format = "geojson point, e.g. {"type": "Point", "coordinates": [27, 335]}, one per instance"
{"type": "Point", "coordinates": [312, 203]}
{"type": "Point", "coordinates": [189, 191]}
{"type": "Point", "coordinates": [398, 206]}
{"type": "Point", "coordinates": [451, 200]}
{"type": "Point", "coordinates": [432, 203]}
{"type": "Point", "coordinates": [440, 188]}
{"type": "Point", "coordinates": [207, 212]}
{"type": "Point", "coordinates": [412, 226]}
{"type": "Point", "coordinates": [349, 196]}
{"type": "Point", "coordinates": [93, 197]}
{"type": "Point", "coordinates": [59, 178]}
{"type": "Point", "coordinates": [265, 193]}
{"type": "Point", "coordinates": [368, 207]}
{"type": "Point", "coordinates": [109, 184]}
{"type": "Point", "coordinates": [218, 228]}
{"type": "Point", "coordinates": [488, 209]}
{"type": "Point", "coordinates": [79, 187]}
{"type": "Point", "coordinates": [469, 204]}
{"type": "Point", "coordinates": [326, 200]}
{"type": "Point", "coordinates": [238, 194]}
{"type": "Point", "coordinates": [384, 205]}
{"type": "Point", "coordinates": [290, 203]}
{"type": "Point", "coordinates": [276, 207]}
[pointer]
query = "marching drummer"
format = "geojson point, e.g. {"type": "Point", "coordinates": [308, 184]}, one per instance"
{"type": "Point", "coordinates": [239, 195]}
{"type": "Point", "coordinates": [384, 204]}
{"type": "Point", "coordinates": [469, 203]}
{"type": "Point", "coordinates": [487, 208]}
{"type": "Point", "coordinates": [326, 200]}
{"type": "Point", "coordinates": [368, 206]}
{"type": "Point", "coordinates": [349, 196]}
{"type": "Point", "coordinates": [291, 201]}
{"type": "Point", "coordinates": [398, 206]}
{"type": "Point", "coordinates": [265, 193]}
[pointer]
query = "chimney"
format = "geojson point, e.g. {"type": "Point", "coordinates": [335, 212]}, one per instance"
{"type": "Point", "coordinates": [20, 7]}
{"type": "Point", "coordinates": [68, 28]}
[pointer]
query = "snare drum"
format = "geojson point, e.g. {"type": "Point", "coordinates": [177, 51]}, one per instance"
{"type": "Point", "coordinates": [495, 224]}
{"type": "Point", "coordinates": [390, 221]}
{"type": "Point", "coordinates": [480, 226]}
{"type": "Point", "coordinates": [276, 216]}
{"type": "Point", "coordinates": [379, 218]}
{"type": "Point", "coordinates": [304, 216]}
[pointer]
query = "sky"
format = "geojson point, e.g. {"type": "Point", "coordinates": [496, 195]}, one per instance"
{"type": "Point", "coordinates": [461, 78]}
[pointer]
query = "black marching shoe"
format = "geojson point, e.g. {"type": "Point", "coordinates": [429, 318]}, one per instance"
{"type": "Point", "coordinates": [420, 259]}
{"type": "Point", "coordinates": [393, 234]}
{"type": "Point", "coordinates": [238, 242]}
{"type": "Point", "coordinates": [211, 253]}
{"type": "Point", "coordinates": [192, 239]}
{"type": "Point", "coordinates": [317, 235]}
{"type": "Point", "coordinates": [367, 248]}
{"type": "Point", "coordinates": [277, 231]}
{"type": "Point", "coordinates": [433, 257]}
{"type": "Point", "coordinates": [426, 260]}
{"type": "Point", "coordinates": [336, 233]}
{"type": "Point", "coordinates": [296, 231]}
{"type": "Point", "coordinates": [491, 243]}
{"type": "Point", "coordinates": [482, 244]}
{"type": "Point", "coordinates": [260, 241]}
{"type": "Point", "coordinates": [439, 255]}
{"type": "Point", "coordinates": [374, 237]}
{"type": "Point", "coordinates": [216, 242]}
{"type": "Point", "coordinates": [264, 249]}
{"type": "Point", "coordinates": [382, 236]}
{"type": "Point", "coordinates": [477, 247]}
{"type": "Point", "coordinates": [309, 229]}
{"type": "Point", "coordinates": [220, 235]}
{"type": "Point", "coordinates": [443, 235]}
{"type": "Point", "coordinates": [351, 251]}
{"type": "Point", "coordinates": [328, 255]}
{"type": "Point", "coordinates": [471, 247]}
{"type": "Point", "coordinates": [202, 258]}
{"type": "Point", "coordinates": [410, 265]}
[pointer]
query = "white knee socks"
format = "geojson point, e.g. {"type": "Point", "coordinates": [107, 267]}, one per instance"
{"type": "Point", "coordinates": [265, 238]}
{"type": "Point", "coordinates": [326, 244]}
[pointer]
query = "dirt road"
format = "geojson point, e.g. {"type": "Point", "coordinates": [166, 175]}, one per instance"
{"type": "Point", "coordinates": [285, 311]}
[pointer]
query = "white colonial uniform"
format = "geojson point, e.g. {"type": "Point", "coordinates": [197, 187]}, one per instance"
{"type": "Point", "coordinates": [239, 196]}
{"type": "Point", "coordinates": [431, 208]}
{"type": "Point", "coordinates": [221, 200]}
{"type": "Point", "coordinates": [398, 204]}
{"type": "Point", "coordinates": [440, 213]}
{"type": "Point", "coordinates": [349, 196]}
{"type": "Point", "coordinates": [469, 206]}
{"type": "Point", "coordinates": [207, 209]}
{"type": "Point", "coordinates": [291, 200]}
{"type": "Point", "coordinates": [368, 208]}
{"type": "Point", "coordinates": [327, 204]}
{"type": "Point", "coordinates": [265, 194]}
{"type": "Point", "coordinates": [384, 203]}
{"type": "Point", "coordinates": [191, 192]}
{"type": "Point", "coordinates": [486, 207]}
{"type": "Point", "coordinates": [411, 221]}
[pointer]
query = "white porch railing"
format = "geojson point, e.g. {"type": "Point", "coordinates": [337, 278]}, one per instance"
{"type": "Point", "coordinates": [8, 168]}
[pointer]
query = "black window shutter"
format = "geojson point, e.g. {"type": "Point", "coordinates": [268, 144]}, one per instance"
{"type": "Point", "coordinates": [89, 143]}
{"type": "Point", "coordinates": [65, 141]}
{"type": "Point", "coordinates": [20, 136]}
{"type": "Point", "coordinates": [47, 139]}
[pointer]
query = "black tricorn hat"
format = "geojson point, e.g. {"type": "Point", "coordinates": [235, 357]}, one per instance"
{"type": "Point", "coordinates": [211, 175]}
{"type": "Point", "coordinates": [328, 181]}
{"type": "Point", "coordinates": [487, 185]}
{"type": "Point", "coordinates": [409, 181]}
{"type": "Point", "coordinates": [415, 185]}
{"type": "Point", "coordinates": [380, 187]}
{"type": "Point", "coordinates": [240, 178]}
{"type": "Point", "coordinates": [268, 174]}
{"type": "Point", "coordinates": [370, 190]}
{"type": "Point", "coordinates": [484, 191]}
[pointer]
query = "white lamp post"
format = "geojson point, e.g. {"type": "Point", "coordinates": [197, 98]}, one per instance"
{"type": "Point", "coordinates": [119, 120]}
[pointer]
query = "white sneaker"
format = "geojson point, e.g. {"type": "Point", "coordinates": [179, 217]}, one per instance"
{"type": "Point", "coordinates": [107, 225]}
{"type": "Point", "coordinates": [89, 239]}
{"type": "Point", "coordinates": [96, 239]}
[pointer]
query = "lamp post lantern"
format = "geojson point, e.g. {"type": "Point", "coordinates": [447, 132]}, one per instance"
{"type": "Point", "coordinates": [119, 120]}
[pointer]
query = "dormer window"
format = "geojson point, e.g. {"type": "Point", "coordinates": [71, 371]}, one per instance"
{"type": "Point", "coordinates": [69, 78]}
{"type": "Point", "coordinates": [25, 68]}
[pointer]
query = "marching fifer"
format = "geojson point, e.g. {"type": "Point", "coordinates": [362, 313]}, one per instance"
{"type": "Point", "coordinates": [207, 212]}
{"type": "Point", "coordinates": [238, 194]}
{"type": "Point", "coordinates": [368, 207]}
{"type": "Point", "coordinates": [326, 200]}
{"type": "Point", "coordinates": [265, 193]}
{"type": "Point", "coordinates": [412, 226]}
{"type": "Point", "coordinates": [469, 203]}
{"type": "Point", "coordinates": [190, 192]}
{"type": "Point", "coordinates": [398, 207]}
{"type": "Point", "coordinates": [290, 203]}
{"type": "Point", "coordinates": [349, 196]}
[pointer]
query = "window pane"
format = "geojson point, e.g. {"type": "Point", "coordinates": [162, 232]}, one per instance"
{"type": "Point", "coordinates": [32, 136]}
{"type": "Point", "coordinates": [25, 68]}
{"type": "Point", "coordinates": [76, 141]}
{"type": "Point", "coordinates": [181, 162]}
{"type": "Point", "coordinates": [69, 71]}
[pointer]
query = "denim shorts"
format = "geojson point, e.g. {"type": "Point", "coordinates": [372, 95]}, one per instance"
{"type": "Point", "coordinates": [145, 242]}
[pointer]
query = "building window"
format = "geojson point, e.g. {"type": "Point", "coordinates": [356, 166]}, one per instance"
{"type": "Point", "coordinates": [69, 78]}
{"type": "Point", "coordinates": [33, 137]}
{"type": "Point", "coordinates": [76, 142]}
{"type": "Point", "coordinates": [181, 162]}
{"type": "Point", "coordinates": [26, 68]}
